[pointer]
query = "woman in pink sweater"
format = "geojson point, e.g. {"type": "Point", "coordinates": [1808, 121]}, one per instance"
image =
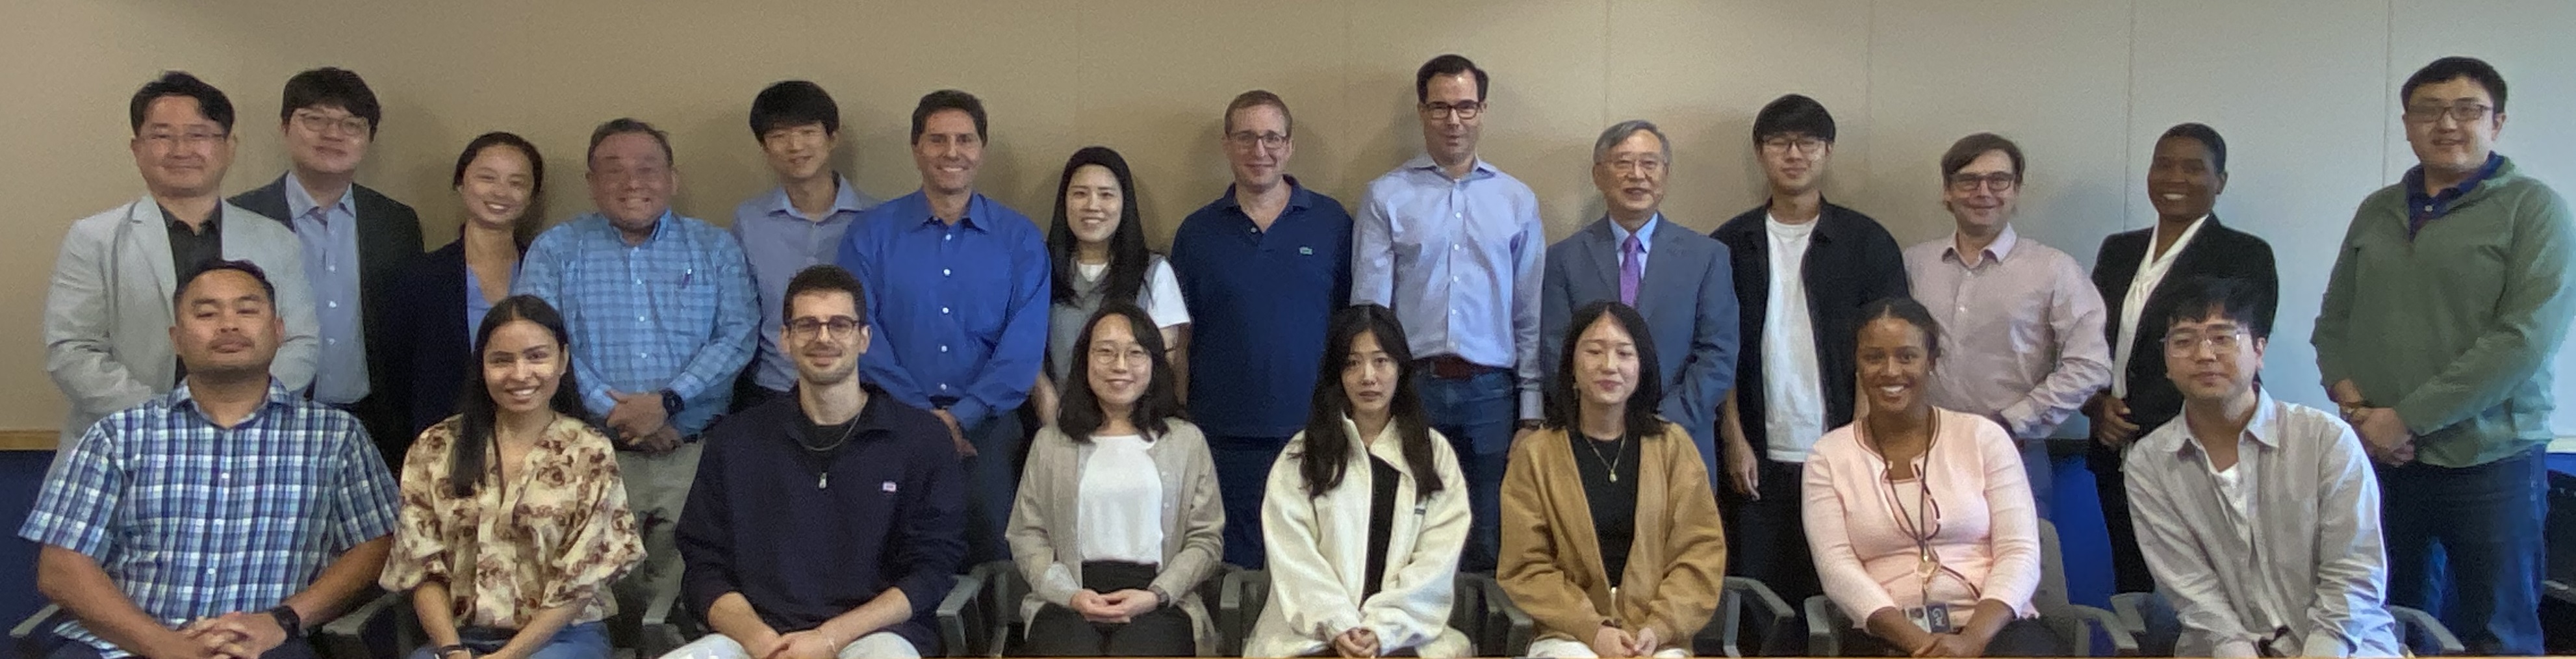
{"type": "Point", "coordinates": [1920, 518]}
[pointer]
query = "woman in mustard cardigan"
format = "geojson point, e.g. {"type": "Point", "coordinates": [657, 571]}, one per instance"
{"type": "Point", "coordinates": [1611, 540]}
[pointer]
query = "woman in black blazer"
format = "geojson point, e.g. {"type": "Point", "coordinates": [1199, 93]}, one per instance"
{"type": "Point", "coordinates": [2139, 273]}
{"type": "Point", "coordinates": [440, 296]}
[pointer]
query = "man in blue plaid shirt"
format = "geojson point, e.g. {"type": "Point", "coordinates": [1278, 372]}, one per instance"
{"type": "Point", "coordinates": [222, 519]}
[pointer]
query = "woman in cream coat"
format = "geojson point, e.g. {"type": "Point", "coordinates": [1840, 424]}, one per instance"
{"type": "Point", "coordinates": [1114, 560]}
{"type": "Point", "coordinates": [1365, 513]}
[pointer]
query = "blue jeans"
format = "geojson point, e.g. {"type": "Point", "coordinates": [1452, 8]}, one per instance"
{"type": "Point", "coordinates": [587, 640]}
{"type": "Point", "coordinates": [2484, 522]}
{"type": "Point", "coordinates": [1242, 476]}
{"type": "Point", "coordinates": [1477, 414]}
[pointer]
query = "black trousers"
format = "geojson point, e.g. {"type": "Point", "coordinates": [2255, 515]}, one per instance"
{"type": "Point", "coordinates": [2129, 572]}
{"type": "Point", "coordinates": [1163, 632]}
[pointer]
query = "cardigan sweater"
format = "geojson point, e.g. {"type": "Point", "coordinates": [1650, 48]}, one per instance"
{"type": "Point", "coordinates": [1319, 544]}
{"type": "Point", "coordinates": [1044, 531]}
{"type": "Point", "coordinates": [1551, 559]}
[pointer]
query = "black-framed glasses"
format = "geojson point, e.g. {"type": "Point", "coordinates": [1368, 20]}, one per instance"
{"type": "Point", "coordinates": [1247, 139]}
{"type": "Point", "coordinates": [809, 327]}
{"type": "Point", "coordinates": [2463, 113]}
{"type": "Point", "coordinates": [1461, 109]}
{"type": "Point", "coordinates": [1782, 144]}
{"type": "Point", "coordinates": [1998, 181]}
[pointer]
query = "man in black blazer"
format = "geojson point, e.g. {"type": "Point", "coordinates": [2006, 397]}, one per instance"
{"type": "Point", "coordinates": [2139, 274]}
{"type": "Point", "coordinates": [353, 240]}
{"type": "Point", "coordinates": [1797, 379]}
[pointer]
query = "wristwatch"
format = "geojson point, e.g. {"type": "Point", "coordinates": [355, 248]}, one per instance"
{"type": "Point", "coordinates": [670, 403]}
{"type": "Point", "coordinates": [1529, 424]}
{"type": "Point", "coordinates": [289, 620]}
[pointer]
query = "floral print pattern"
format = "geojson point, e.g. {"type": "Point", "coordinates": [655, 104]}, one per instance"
{"type": "Point", "coordinates": [559, 536]}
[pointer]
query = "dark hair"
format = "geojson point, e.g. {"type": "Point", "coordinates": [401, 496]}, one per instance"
{"type": "Point", "coordinates": [1904, 309]}
{"type": "Point", "coordinates": [626, 125]}
{"type": "Point", "coordinates": [475, 413]}
{"type": "Point", "coordinates": [188, 279]}
{"type": "Point", "coordinates": [2453, 68]}
{"type": "Point", "coordinates": [824, 278]}
{"type": "Point", "coordinates": [792, 103]}
{"type": "Point", "coordinates": [1565, 398]}
{"type": "Point", "coordinates": [1793, 113]}
{"type": "Point", "coordinates": [1128, 256]}
{"type": "Point", "coordinates": [2211, 298]}
{"type": "Point", "coordinates": [528, 225]}
{"type": "Point", "coordinates": [1327, 450]}
{"type": "Point", "coordinates": [947, 99]}
{"type": "Point", "coordinates": [1259, 98]}
{"type": "Point", "coordinates": [2207, 137]}
{"type": "Point", "coordinates": [331, 86]}
{"type": "Point", "coordinates": [211, 102]}
{"type": "Point", "coordinates": [1445, 65]}
{"type": "Point", "coordinates": [1080, 414]}
{"type": "Point", "coordinates": [1969, 149]}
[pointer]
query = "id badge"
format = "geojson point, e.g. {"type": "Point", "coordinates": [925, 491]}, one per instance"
{"type": "Point", "coordinates": [1933, 619]}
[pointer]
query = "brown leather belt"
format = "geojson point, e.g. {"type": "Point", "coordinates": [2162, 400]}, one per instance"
{"type": "Point", "coordinates": [1453, 367]}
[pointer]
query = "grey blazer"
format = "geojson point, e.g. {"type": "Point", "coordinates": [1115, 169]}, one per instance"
{"type": "Point", "coordinates": [108, 310]}
{"type": "Point", "coordinates": [1688, 299]}
{"type": "Point", "coordinates": [1043, 522]}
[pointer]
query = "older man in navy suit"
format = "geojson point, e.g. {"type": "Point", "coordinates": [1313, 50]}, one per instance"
{"type": "Point", "coordinates": [1679, 280]}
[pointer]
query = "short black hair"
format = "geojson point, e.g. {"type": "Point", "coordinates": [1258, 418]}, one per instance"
{"type": "Point", "coordinates": [1904, 309]}
{"type": "Point", "coordinates": [625, 125]}
{"type": "Point", "coordinates": [2207, 137]}
{"type": "Point", "coordinates": [1447, 65]}
{"type": "Point", "coordinates": [824, 278]}
{"type": "Point", "coordinates": [531, 219]}
{"type": "Point", "coordinates": [335, 87]}
{"type": "Point", "coordinates": [1793, 113]}
{"type": "Point", "coordinates": [2212, 298]}
{"type": "Point", "coordinates": [211, 102]}
{"type": "Point", "coordinates": [2453, 68]}
{"type": "Point", "coordinates": [948, 99]}
{"type": "Point", "coordinates": [792, 103]}
{"type": "Point", "coordinates": [189, 280]}
{"type": "Point", "coordinates": [1969, 149]}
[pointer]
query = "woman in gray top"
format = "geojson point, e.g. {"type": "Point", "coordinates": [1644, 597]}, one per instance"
{"type": "Point", "coordinates": [1097, 244]}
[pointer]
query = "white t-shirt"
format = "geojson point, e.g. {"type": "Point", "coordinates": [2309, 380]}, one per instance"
{"type": "Point", "coordinates": [1161, 296]}
{"type": "Point", "coordinates": [1792, 384]}
{"type": "Point", "coordinates": [2151, 273]}
{"type": "Point", "coordinates": [1119, 506]}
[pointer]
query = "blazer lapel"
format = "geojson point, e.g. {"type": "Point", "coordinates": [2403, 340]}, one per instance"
{"type": "Point", "coordinates": [1666, 266]}
{"type": "Point", "coordinates": [1604, 254]}
{"type": "Point", "coordinates": [150, 236]}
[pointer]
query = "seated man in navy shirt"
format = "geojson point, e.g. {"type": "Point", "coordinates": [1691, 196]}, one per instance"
{"type": "Point", "coordinates": [826, 522]}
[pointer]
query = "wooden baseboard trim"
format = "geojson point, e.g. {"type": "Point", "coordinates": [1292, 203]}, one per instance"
{"type": "Point", "coordinates": [28, 439]}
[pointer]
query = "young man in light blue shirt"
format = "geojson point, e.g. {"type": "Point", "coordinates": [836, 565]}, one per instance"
{"type": "Point", "coordinates": [795, 226]}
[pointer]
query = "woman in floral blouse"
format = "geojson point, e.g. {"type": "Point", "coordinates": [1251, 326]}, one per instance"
{"type": "Point", "coordinates": [513, 521]}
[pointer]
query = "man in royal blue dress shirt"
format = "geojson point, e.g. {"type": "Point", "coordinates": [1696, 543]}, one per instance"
{"type": "Point", "coordinates": [958, 284]}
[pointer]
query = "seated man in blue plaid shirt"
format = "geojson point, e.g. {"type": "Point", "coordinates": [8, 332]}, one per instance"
{"type": "Point", "coordinates": [222, 519]}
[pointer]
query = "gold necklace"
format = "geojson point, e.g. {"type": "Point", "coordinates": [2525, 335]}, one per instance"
{"type": "Point", "coordinates": [1611, 463]}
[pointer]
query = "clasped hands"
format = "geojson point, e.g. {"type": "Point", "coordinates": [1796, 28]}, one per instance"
{"type": "Point", "coordinates": [1116, 607]}
{"type": "Point", "coordinates": [1611, 641]}
{"type": "Point", "coordinates": [236, 635]}
{"type": "Point", "coordinates": [2383, 433]}
{"type": "Point", "coordinates": [641, 424]}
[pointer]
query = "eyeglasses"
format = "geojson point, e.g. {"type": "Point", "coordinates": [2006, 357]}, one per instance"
{"type": "Point", "coordinates": [809, 327]}
{"type": "Point", "coordinates": [319, 124]}
{"type": "Point", "coordinates": [194, 137]}
{"type": "Point", "coordinates": [1636, 165]}
{"type": "Point", "coordinates": [1998, 181]}
{"type": "Point", "coordinates": [1461, 109]}
{"type": "Point", "coordinates": [2463, 113]}
{"type": "Point", "coordinates": [2223, 343]}
{"type": "Point", "coordinates": [1782, 145]}
{"type": "Point", "coordinates": [1244, 139]}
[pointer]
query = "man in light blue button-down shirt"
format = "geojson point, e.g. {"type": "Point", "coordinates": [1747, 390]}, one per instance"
{"type": "Point", "coordinates": [797, 225]}
{"type": "Point", "coordinates": [1453, 246]}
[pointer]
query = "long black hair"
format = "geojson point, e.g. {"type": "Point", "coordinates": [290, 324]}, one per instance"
{"type": "Point", "coordinates": [1565, 397]}
{"type": "Point", "coordinates": [1080, 415]}
{"type": "Point", "coordinates": [1328, 447]}
{"type": "Point", "coordinates": [475, 413]}
{"type": "Point", "coordinates": [1128, 256]}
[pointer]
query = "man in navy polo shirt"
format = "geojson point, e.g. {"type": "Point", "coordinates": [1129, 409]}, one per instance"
{"type": "Point", "coordinates": [1261, 267]}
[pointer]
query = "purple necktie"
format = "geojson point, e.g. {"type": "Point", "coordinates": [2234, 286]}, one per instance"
{"type": "Point", "coordinates": [1631, 269]}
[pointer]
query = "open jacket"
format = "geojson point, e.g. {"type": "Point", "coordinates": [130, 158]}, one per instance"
{"type": "Point", "coordinates": [1044, 532]}
{"type": "Point", "coordinates": [1551, 560]}
{"type": "Point", "coordinates": [1318, 549]}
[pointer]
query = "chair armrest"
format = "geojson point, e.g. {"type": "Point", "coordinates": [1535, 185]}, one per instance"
{"type": "Point", "coordinates": [36, 624]}
{"type": "Point", "coordinates": [954, 609]}
{"type": "Point", "coordinates": [1752, 590]}
{"type": "Point", "coordinates": [1233, 594]}
{"type": "Point", "coordinates": [1506, 618]}
{"type": "Point", "coordinates": [2444, 642]}
{"type": "Point", "coordinates": [345, 637]}
{"type": "Point", "coordinates": [2130, 608]}
{"type": "Point", "coordinates": [1824, 627]}
{"type": "Point", "coordinates": [2562, 591]}
{"type": "Point", "coordinates": [2075, 624]}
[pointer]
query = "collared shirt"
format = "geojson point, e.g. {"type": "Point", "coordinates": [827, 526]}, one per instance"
{"type": "Point", "coordinates": [1645, 241]}
{"type": "Point", "coordinates": [806, 535]}
{"type": "Point", "coordinates": [1259, 303]}
{"type": "Point", "coordinates": [2305, 554]}
{"type": "Point", "coordinates": [961, 309]}
{"type": "Point", "coordinates": [2021, 331]}
{"type": "Point", "coordinates": [2422, 207]}
{"type": "Point", "coordinates": [194, 247]}
{"type": "Point", "coordinates": [673, 313]}
{"type": "Point", "coordinates": [329, 236]}
{"type": "Point", "coordinates": [558, 533]}
{"type": "Point", "coordinates": [190, 519]}
{"type": "Point", "coordinates": [780, 240]}
{"type": "Point", "coordinates": [2151, 273]}
{"type": "Point", "coordinates": [1459, 262]}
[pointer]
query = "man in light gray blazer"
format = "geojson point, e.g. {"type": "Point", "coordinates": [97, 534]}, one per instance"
{"type": "Point", "coordinates": [108, 309]}
{"type": "Point", "coordinates": [1681, 281]}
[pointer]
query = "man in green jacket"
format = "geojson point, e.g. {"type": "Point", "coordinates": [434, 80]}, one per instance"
{"type": "Point", "coordinates": [2448, 299]}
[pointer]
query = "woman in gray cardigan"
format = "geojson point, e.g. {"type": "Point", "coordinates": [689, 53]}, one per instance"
{"type": "Point", "coordinates": [1114, 559]}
